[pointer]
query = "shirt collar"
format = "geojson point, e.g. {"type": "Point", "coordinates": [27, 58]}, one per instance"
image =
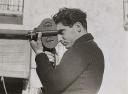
{"type": "Point", "coordinates": [85, 38]}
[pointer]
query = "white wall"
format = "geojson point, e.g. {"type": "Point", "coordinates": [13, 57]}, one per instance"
{"type": "Point", "coordinates": [105, 22]}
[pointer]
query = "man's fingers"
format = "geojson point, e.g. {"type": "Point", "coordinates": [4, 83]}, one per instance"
{"type": "Point", "coordinates": [37, 45]}
{"type": "Point", "coordinates": [33, 43]}
{"type": "Point", "coordinates": [39, 42]}
{"type": "Point", "coordinates": [39, 36]}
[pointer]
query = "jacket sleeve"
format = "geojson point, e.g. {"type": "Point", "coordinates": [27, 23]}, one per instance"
{"type": "Point", "coordinates": [56, 80]}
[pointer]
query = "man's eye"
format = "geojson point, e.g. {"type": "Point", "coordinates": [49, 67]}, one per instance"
{"type": "Point", "coordinates": [61, 32]}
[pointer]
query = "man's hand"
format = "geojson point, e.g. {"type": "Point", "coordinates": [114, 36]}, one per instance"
{"type": "Point", "coordinates": [37, 45]}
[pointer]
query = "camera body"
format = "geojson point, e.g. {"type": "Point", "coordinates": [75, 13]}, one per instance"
{"type": "Point", "coordinates": [32, 36]}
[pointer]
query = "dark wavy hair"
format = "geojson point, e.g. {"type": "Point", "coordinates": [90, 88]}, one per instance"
{"type": "Point", "coordinates": [69, 16]}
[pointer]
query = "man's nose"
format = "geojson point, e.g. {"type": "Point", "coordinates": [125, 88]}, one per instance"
{"type": "Point", "coordinates": [60, 38]}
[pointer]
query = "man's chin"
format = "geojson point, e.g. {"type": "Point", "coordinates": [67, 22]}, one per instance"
{"type": "Point", "coordinates": [67, 46]}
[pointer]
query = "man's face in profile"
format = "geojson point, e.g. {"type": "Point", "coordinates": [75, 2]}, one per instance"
{"type": "Point", "coordinates": [67, 35]}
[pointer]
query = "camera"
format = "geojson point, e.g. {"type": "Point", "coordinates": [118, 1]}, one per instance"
{"type": "Point", "coordinates": [34, 35]}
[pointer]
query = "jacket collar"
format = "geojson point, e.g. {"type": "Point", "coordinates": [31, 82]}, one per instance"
{"type": "Point", "coordinates": [85, 38]}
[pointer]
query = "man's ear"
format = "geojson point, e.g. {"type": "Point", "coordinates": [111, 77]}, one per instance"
{"type": "Point", "coordinates": [77, 26]}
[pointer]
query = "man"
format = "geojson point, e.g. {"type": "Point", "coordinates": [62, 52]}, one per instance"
{"type": "Point", "coordinates": [82, 66]}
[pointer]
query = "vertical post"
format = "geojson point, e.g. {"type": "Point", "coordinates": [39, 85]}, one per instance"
{"type": "Point", "coordinates": [125, 10]}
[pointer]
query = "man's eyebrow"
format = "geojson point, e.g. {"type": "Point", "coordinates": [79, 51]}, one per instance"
{"type": "Point", "coordinates": [60, 31]}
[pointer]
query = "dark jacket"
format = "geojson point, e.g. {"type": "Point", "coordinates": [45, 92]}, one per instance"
{"type": "Point", "coordinates": [81, 69]}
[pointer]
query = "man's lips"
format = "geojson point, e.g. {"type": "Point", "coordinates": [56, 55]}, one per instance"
{"type": "Point", "coordinates": [64, 43]}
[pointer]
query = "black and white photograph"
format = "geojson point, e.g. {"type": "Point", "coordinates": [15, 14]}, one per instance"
{"type": "Point", "coordinates": [63, 46]}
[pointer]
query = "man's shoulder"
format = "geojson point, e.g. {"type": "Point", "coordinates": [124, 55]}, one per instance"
{"type": "Point", "coordinates": [87, 49]}
{"type": "Point", "coordinates": [86, 46]}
